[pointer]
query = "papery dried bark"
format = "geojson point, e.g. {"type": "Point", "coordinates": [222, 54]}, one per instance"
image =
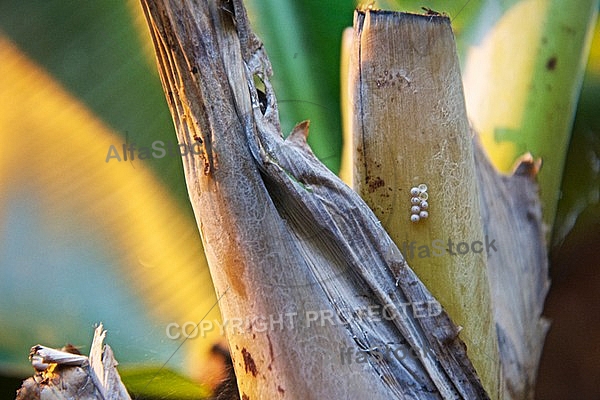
{"type": "Point", "coordinates": [64, 375]}
{"type": "Point", "coordinates": [512, 213]}
{"type": "Point", "coordinates": [284, 236]}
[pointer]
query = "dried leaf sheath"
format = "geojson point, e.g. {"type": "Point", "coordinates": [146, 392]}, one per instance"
{"type": "Point", "coordinates": [61, 374]}
{"type": "Point", "coordinates": [283, 234]}
{"type": "Point", "coordinates": [519, 273]}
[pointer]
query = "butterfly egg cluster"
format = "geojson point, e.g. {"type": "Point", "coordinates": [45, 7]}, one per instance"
{"type": "Point", "coordinates": [418, 201]}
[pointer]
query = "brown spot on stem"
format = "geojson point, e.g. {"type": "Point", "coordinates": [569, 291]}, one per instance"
{"type": "Point", "coordinates": [270, 352]}
{"type": "Point", "coordinates": [249, 363]}
{"type": "Point", "coordinates": [551, 63]}
{"type": "Point", "coordinates": [374, 183]}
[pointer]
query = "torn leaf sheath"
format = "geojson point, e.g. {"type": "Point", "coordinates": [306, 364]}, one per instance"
{"type": "Point", "coordinates": [273, 218]}
{"type": "Point", "coordinates": [518, 303]}
{"type": "Point", "coordinates": [63, 375]}
{"type": "Point", "coordinates": [361, 256]}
